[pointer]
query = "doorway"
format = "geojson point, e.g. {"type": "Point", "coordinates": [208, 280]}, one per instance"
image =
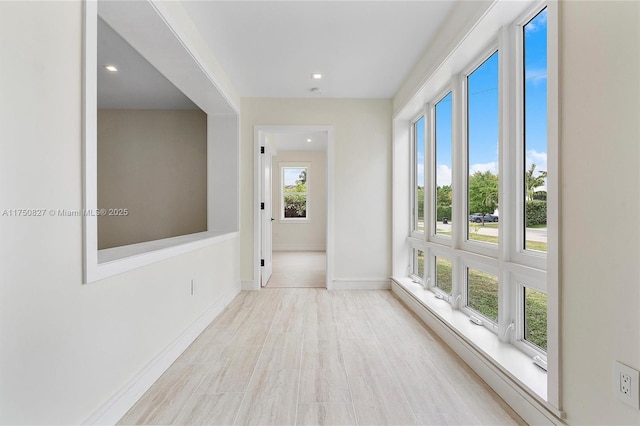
{"type": "Point", "coordinates": [299, 269]}
{"type": "Point", "coordinates": [293, 199]}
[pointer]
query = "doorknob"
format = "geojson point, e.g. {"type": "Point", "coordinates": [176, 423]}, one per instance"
{"type": "Point", "coordinates": [272, 219]}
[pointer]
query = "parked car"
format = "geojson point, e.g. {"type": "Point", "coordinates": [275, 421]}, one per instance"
{"type": "Point", "coordinates": [477, 218]}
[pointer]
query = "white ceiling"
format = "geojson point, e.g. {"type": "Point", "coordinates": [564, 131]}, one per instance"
{"type": "Point", "coordinates": [297, 141]}
{"type": "Point", "coordinates": [364, 49]}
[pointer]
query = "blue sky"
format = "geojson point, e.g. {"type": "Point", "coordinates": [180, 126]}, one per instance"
{"type": "Point", "coordinates": [483, 111]}
{"type": "Point", "coordinates": [291, 175]}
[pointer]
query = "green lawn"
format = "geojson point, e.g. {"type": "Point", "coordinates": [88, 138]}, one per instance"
{"type": "Point", "coordinates": [482, 293]}
{"type": "Point", "coordinates": [483, 298]}
{"type": "Point", "coordinates": [531, 245]}
{"type": "Point", "coordinates": [535, 314]}
{"type": "Point", "coordinates": [444, 280]}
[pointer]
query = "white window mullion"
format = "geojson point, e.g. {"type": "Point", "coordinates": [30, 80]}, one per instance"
{"type": "Point", "coordinates": [506, 156]}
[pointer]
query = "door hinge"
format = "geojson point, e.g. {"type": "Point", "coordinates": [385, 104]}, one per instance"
{"type": "Point", "coordinates": [261, 262]}
{"type": "Point", "coordinates": [261, 206]}
{"type": "Point", "coordinates": [262, 150]}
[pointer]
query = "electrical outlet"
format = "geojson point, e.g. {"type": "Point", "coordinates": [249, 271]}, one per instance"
{"type": "Point", "coordinates": [627, 385]}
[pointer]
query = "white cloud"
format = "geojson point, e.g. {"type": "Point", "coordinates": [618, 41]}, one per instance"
{"type": "Point", "coordinates": [484, 167]}
{"type": "Point", "coordinates": [537, 158]}
{"type": "Point", "coordinates": [420, 175]}
{"type": "Point", "coordinates": [535, 75]}
{"type": "Point", "coordinates": [443, 175]}
{"type": "Point", "coordinates": [539, 22]}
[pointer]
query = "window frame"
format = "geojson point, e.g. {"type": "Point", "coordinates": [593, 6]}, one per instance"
{"type": "Point", "coordinates": [511, 266]}
{"type": "Point", "coordinates": [479, 247]}
{"type": "Point", "coordinates": [430, 147]}
{"type": "Point", "coordinates": [521, 255]}
{"type": "Point", "coordinates": [282, 165]}
{"type": "Point", "coordinates": [414, 231]}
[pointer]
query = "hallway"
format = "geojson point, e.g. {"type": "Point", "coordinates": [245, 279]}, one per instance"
{"type": "Point", "coordinates": [299, 269]}
{"type": "Point", "coordinates": [310, 356]}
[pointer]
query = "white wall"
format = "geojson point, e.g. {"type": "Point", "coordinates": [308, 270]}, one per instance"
{"type": "Point", "coordinates": [600, 178]}
{"type": "Point", "coordinates": [361, 179]}
{"type": "Point", "coordinates": [65, 347]}
{"type": "Point", "coordinates": [302, 235]}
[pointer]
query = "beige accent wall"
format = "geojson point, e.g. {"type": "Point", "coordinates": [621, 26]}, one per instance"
{"type": "Point", "coordinates": [309, 235]}
{"type": "Point", "coordinates": [154, 164]}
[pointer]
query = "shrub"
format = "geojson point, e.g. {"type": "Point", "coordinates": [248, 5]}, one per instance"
{"type": "Point", "coordinates": [536, 213]}
{"type": "Point", "coordinates": [442, 212]}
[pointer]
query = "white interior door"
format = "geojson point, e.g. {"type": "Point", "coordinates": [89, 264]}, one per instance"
{"type": "Point", "coordinates": [266, 215]}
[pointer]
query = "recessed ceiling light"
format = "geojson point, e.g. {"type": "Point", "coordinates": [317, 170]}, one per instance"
{"type": "Point", "coordinates": [308, 140]}
{"type": "Point", "coordinates": [111, 68]}
{"type": "Point", "coordinates": [316, 76]}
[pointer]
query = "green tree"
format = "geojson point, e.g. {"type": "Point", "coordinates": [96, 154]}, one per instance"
{"type": "Point", "coordinates": [444, 195]}
{"type": "Point", "coordinates": [295, 197]}
{"type": "Point", "coordinates": [483, 192]}
{"type": "Point", "coordinates": [532, 182]}
{"type": "Point", "coordinates": [302, 177]}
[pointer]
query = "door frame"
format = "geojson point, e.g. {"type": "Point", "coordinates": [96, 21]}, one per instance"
{"type": "Point", "coordinates": [266, 196]}
{"type": "Point", "coordinates": [259, 135]}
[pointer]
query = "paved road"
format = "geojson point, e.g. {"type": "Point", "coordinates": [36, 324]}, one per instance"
{"type": "Point", "coordinates": [533, 234]}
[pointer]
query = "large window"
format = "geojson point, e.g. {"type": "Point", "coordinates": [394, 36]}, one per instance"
{"type": "Point", "coordinates": [535, 132]}
{"type": "Point", "coordinates": [294, 193]}
{"type": "Point", "coordinates": [418, 174]}
{"type": "Point", "coordinates": [482, 127]}
{"type": "Point", "coordinates": [480, 263]}
{"type": "Point", "coordinates": [442, 179]}
{"type": "Point", "coordinates": [482, 149]}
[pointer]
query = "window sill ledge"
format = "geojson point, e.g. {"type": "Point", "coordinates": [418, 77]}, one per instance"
{"type": "Point", "coordinates": [504, 357]}
{"type": "Point", "coordinates": [117, 260]}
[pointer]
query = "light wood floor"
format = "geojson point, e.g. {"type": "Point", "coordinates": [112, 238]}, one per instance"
{"type": "Point", "coordinates": [311, 356]}
{"type": "Point", "coordinates": [299, 269]}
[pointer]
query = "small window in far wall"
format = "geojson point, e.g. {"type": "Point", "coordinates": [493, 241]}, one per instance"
{"type": "Point", "coordinates": [294, 193]}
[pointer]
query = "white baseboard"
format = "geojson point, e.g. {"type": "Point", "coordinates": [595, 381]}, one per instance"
{"type": "Point", "coordinates": [360, 284]}
{"type": "Point", "coordinates": [526, 406]}
{"type": "Point", "coordinates": [116, 407]}
{"type": "Point", "coordinates": [299, 247]}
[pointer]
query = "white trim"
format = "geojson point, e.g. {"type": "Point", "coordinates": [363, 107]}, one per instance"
{"type": "Point", "coordinates": [508, 384]}
{"type": "Point", "coordinates": [121, 259]}
{"type": "Point", "coordinates": [554, 293]}
{"type": "Point", "coordinates": [300, 247]}
{"type": "Point", "coordinates": [259, 132]}
{"type": "Point", "coordinates": [414, 175]}
{"type": "Point", "coordinates": [361, 284]}
{"type": "Point", "coordinates": [118, 405]}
